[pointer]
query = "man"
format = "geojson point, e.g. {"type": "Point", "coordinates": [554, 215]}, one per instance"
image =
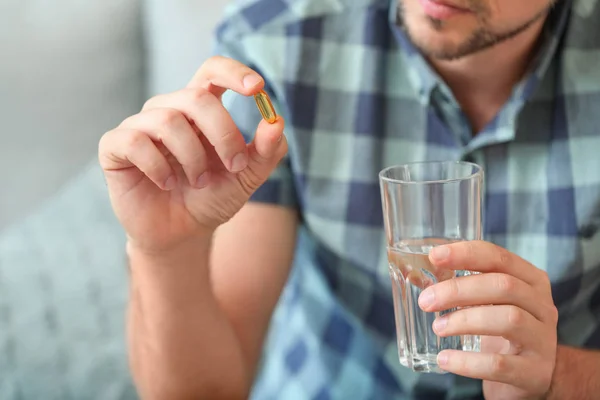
{"type": "Point", "coordinates": [212, 222]}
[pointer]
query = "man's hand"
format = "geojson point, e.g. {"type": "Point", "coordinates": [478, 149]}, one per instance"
{"type": "Point", "coordinates": [518, 319]}
{"type": "Point", "coordinates": [180, 168]}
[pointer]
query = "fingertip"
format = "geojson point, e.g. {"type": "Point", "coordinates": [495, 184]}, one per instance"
{"type": "Point", "coordinates": [239, 162]}
{"type": "Point", "coordinates": [170, 183]}
{"type": "Point", "coordinates": [252, 82]}
{"type": "Point", "coordinates": [203, 180]}
{"type": "Point", "coordinates": [426, 299]}
{"type": "Point", "coordinates": [439, 254]}
{"type": "Point", "coordinates": [269, 137]}
{"type": "Point", "coordinates": [439, 324]}
{"type": "Point", "coordinates": [273, 130]}
{"type": "Point", "coordinates": [443, 358]}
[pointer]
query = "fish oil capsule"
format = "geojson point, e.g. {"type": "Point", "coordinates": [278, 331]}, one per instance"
{"type": "Point", "coordinates": [263, 102]}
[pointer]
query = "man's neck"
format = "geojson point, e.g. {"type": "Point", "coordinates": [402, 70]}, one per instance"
{"type": "Point", "coordinates": [483, 82]}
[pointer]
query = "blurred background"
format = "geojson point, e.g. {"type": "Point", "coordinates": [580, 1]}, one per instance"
{"type": "Point", "coordinates": [69, 71]}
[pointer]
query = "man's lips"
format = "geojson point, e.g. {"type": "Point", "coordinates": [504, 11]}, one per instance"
{"type": "Point", "coordinates": [442, 9]}
{"type": "Point", "coordinates": [451, 4]}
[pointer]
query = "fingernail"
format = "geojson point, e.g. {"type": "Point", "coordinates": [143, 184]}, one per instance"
{"type": "Point", "coordinates": [239, 162]}
{"type": "Point", "coordinates": [440, 253]}
{"type": "Point", "coordinates": [202, 180]}
{"type": "Point", "coordinates": [426, 298]}
{"type": "Point", "coordinates": [171, 183]}
{"type": "Point", "coordinates": [251, 81]}
{"type": "Point", "coordinates": [442, 359]}
{"type": "Point", "coordinates": [440, 323]}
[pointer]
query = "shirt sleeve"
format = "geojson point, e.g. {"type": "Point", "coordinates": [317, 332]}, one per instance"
{"type": "Point", "coordinates": [279, 189]}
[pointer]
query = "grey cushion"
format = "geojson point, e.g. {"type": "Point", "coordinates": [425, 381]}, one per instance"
{"type": "Point", "coordinates": [63, 286]}
{"type": "Point", "coordinates": [70, 71]}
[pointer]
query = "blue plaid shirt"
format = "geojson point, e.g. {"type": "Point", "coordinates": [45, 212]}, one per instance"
{"type": "Point", "coordinates": [358, 97]}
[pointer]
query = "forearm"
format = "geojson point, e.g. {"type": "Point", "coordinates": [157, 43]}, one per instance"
{"type": "Point", "coordinates": [576, 375]}
{"type": "Point", "coordinates": [181, 344]}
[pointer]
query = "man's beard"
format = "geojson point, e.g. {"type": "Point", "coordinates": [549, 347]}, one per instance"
{"type": "Point", "coordinates": [481, 39]}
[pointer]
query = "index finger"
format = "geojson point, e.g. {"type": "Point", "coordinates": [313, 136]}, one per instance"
{"type": "Point", "coordinates": [219, 74]}
{"type": "Point", "coordinates": [481, 256]}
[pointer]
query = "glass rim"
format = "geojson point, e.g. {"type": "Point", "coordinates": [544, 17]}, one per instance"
{"type": "Point", "coordinates": [478, 171]}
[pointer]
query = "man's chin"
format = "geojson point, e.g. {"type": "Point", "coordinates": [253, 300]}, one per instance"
{"type": "Point", "coordinates": [436, 45]}
{"type": "Point", "coordinates": [440, 51]}
{"type": "Point", "coordinates": [443, 40]}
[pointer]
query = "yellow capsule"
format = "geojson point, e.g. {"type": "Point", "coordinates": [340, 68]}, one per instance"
{"type": "Point", "coordinates": [263, 102]}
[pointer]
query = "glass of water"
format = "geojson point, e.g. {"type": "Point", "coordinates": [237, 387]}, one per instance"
{"type": "Point", "coordinates": [425, 205]}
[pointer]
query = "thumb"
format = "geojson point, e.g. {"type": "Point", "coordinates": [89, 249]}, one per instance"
{"type": "Point", "coordinates": [266, 150]}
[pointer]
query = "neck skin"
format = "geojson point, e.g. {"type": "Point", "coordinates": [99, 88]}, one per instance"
{"type": "Point", "coordinates": [483, 82]}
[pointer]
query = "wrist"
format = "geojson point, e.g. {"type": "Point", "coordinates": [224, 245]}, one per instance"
{"type": "Point", "coordinates": [575, 375]}
{"type": "Point", "coordinates": [190, 248]}
{"type": "Point", "coordinates": [171, 268]}
{"type": "Point", "coordinates": [172, 274]}
{"type": "Point", "coordinates": [552, 391]}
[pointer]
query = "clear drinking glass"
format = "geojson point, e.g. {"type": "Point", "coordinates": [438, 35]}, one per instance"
{"type": "Point", "coordinates": [425, 205]}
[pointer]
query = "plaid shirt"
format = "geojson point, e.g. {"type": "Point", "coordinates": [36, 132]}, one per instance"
{"type": "Point", "coordinates": [357, 97]}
